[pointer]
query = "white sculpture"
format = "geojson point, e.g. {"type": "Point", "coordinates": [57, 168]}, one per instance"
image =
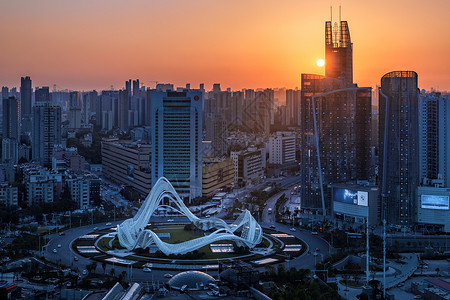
{"type": "Point", "coordinates": [132, 233]}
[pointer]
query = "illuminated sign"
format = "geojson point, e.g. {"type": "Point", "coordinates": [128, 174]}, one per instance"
{"type": "Point", "coordinates": [434, 202]}
{"type": "Point", "coordinates": [351, 196]}
{"type": "Point", "coordinates": [363, 198]}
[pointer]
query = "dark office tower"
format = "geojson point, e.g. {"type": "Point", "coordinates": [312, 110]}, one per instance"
{"type": "Point", "coordinates": [46, 132]}
{"type": "Point", "coordinates": [25, 103]}
{"type": "Point", "coordinates": [293, 107]}
{"type": "Point", "coordinates": [399, 156]}
{"type": "Point", "coordinates": [136, 88]}
{"type": "Point", "coordinates": [339, 150]}
{"type": "Point", "coordinates": [11, 118]}
{"type": "Point", "coordinates": [42, 95]}
{"type": "Point", "coordinates": [123, 110]}
{"type": "Point", "coordinates": [338, 52]}
{"type": "Point", "coordinates": [128, 87]}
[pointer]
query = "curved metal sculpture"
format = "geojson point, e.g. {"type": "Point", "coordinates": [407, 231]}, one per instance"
{"type": "Point", "coordinates": [132, 233]}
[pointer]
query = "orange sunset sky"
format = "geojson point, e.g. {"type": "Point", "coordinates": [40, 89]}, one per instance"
{"type": "Point", "coordinates": [93, 44]}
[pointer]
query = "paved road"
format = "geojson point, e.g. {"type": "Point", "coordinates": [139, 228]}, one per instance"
{"type": "Point", "coordinates": [66, 256]}
{"type": "Point", "coordinates": [313, 242]}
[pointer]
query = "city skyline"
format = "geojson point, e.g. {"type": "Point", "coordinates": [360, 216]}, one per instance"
{"type": "Point", "coordinates": [83, 45]}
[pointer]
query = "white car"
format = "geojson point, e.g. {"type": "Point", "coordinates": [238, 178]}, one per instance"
{"type": "Point", "coordinates": [59, 245]}
{"type": "Point", "coordinates": [108, 224]}
{"type": "Point", "coordinates": [314, 233]}
{"type": "Point", "coordinates": [168, 275]}
{"type": "Point", "coordinates": [84, 272]}
{"type": "Point", "coordinates": [147, 270]}
{"type": "Point", "coordinates": [293, 229]}
{"type": "Point", "coordinates": [54, 250]}
{"type": "Point", "coordinates": [170, 220]}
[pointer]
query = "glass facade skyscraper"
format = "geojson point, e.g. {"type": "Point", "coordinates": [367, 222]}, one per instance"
{"type": "Point", "coordinates": [399, 145]}
{"type": "Point", "coordinates": [177, 140]}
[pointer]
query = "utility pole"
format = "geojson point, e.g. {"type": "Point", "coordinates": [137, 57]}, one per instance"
{"type": "Point", "coordinates": [367, 251]}
{"type": "Point", "coordinates": [384, 258]}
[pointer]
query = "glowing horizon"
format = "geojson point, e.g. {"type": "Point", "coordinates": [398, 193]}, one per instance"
{"type": "Point", "coordinates": [87, 45]}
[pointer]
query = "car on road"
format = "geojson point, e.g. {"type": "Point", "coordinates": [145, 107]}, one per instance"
{"type": "Point", "coordinates": [317, 249]}
{"type": "Point", "coordinates": [84, 272]}
{"type": "Point", "coordinates": [314, 233]}
{"type": "Point", "coordinates": [400, 284]}
{"type": "Point", "coordinates": [272, 226]}
{"type": "Point", "coordinates": [147, 270]}
{"type": "Point", "coordinates": [108, 224]}
{"type": "Point", "coordinates": [417, 297]}
{"type": "Point", "coordinates": [54, 250]}
{"type": "Point", "coordinates": [75, 258]}
{"type": "Point", "coordinates": [293, 229]}
{"type": "Point", "coordinates": [95, 228]}
{"type": "Point", "coordinates": [59, 245]}
{"type": "Point", "coordinates": [61, 233]}
{"type": "Point", "coordinates": [168, 275]}
{"type": "Point", "coordinates": [170, 220]}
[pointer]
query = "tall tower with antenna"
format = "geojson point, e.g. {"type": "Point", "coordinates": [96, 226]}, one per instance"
{"type": "Point", "coordinates": [338, 50]}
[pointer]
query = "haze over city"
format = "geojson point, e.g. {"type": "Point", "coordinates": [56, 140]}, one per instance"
{"type": "Point", "coordinates": [241, 149]}
{"type": "Point", "coordinates": [83, 45]}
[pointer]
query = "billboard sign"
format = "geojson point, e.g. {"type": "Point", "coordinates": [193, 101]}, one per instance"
{"type": "Point", "coordinates": [434, 202]}
{"type": "Point", "coordinates": [351, 196]}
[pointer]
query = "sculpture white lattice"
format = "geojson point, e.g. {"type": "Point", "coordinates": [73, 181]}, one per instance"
{"type": "Point", "coordinates": [132, 233]}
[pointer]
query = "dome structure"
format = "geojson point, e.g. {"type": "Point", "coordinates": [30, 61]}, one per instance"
{"type": "Point", "coordinates": [193, 280]}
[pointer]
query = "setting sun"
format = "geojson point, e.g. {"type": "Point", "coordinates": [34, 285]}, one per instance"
{"type": "Point", "coordinates": [320, 62]}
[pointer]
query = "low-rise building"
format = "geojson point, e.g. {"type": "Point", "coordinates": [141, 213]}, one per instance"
{"type": "Point", "coordinates": [217, 173]}
{"type": "Point", "coordinates": [8, 195]}
{"type": "Point", "coordinates": [282, 148]}
{"type": "Point", "coordinates": [41, 185]}
{"type": "Point", "coordinates": [67, 158]}
{"type": "Point", "coordinates": [84, 188]}
{"type": "Point", "coordinates": [248, 165]}
{"type": "Point", "coordinates": [355, 203]}
{"type": "Point", "coordinates": [433, 207]}
{"type": "Point", "coordinates": [127, 163]}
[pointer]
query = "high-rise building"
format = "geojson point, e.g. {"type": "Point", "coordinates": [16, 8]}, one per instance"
{"type": "Point", "coordinates": [42, 95]}
{"type": "Point", "coordinates": [399, 145]}
{"type": "Point", "coordinates": [11, 118]}
{"type": "Point", "coordinates": [217, 133]}
{"type": "Point", "coordinates": [136, 88]}
{"type": "Point", "coordinates": [75, 110]}
{"type": "Point", "coordinates": [293, 107]}
{"type": "Point", "coordinates": [335, 123]}
{"type": "Point", "coordinates": [5, 92]}
{"type": "Point", "coordinates": [434, 135]}
{"type": "Point", "coordinates": [46, 132]}
{"type": "Point", "coordinates": [338, 52]}
{"type": "Point", "coordinates": [25, 103]}
{"type": "Point", "coordinates": [124, 103]}
{"type": "Point", "coordinates": [177, 140]}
